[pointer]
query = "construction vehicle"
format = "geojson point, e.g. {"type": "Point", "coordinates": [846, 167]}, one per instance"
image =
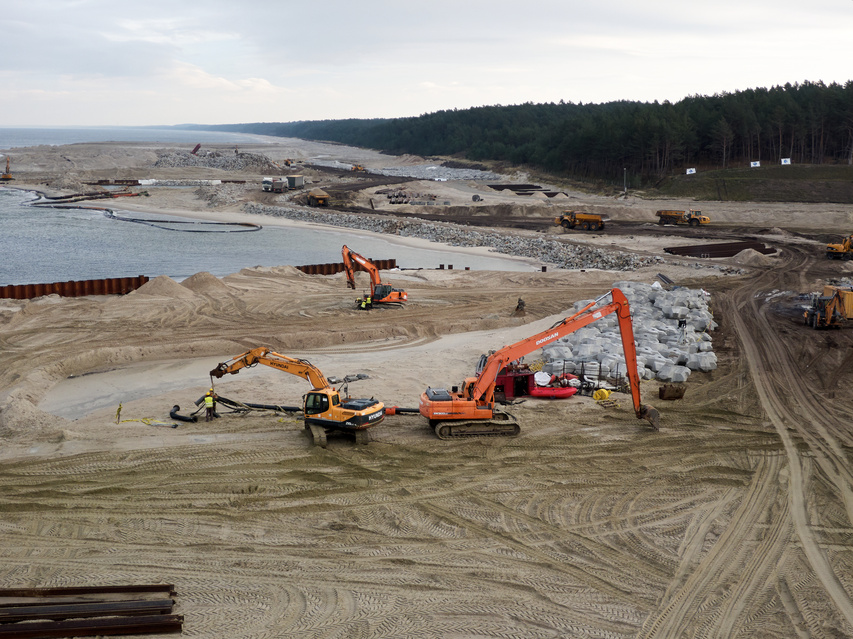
{"type": "Point", "coordinates": [358, 167]}
{"type": "Point", "coordinates": [471, 410]}
{"type": "Point", "coordinates": [266, 183]}
{"type": "Point", "coordinates": [693, 217]}
{"type": "Point", "coordinates": [318, 197]}
{"type": "Point", "coordinates": [846, 294]}
{"type": "Point", "coordinates": [323, 408]}
{"type": "Point", "coordinates": [7, 176]}
{"type": "Point", "coordinates": [826, 311]}
{"type": "Point", "coordinates": [279, 185]}
{"type": "Point", "coordinates": [380, 293]}
{"type": "Point", "coordinates": [586, 221]}
{"type": "Point", "coordinates": [842, 251]}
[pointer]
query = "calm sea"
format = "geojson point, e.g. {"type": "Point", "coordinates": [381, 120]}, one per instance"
{"type": "Point", "coordinates": [12, 137]}
{"type": "Point", "coordinates": [41, 245]}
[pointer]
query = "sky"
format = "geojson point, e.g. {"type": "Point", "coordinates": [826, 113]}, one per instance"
{"type": "Point", "coordinates": [158, 62]}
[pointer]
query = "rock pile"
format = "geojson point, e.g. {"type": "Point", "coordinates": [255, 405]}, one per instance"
{"type": "Point", "coordinates": [438, 172]}
{"type": "Point", "coordinates": [217, 160]}
{"type": "Point", "coordinates": [671, 330]}
{"type": "Point", "coordinates": [421, 171]}
{"type": "Point", "coordinates": [562, 255]}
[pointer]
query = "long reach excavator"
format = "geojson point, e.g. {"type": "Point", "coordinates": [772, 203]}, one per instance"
{"type": "Point", "coordinates": [323, 408]}
{"type": "Point", "coordinates": [471, 410]}
{"type": "Point", "coordinates": [380, 293]}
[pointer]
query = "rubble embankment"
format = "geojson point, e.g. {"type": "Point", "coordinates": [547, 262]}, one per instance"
{"type": "Point", "coordinates": [237, 161]}
{"type": "Point", "coordinates": [560, 254]}
{"type": "Point", "coordinates": [671, 331]}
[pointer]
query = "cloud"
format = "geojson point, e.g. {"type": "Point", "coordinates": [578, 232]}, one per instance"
{"type": "Point", "coordinates": [170, 62]}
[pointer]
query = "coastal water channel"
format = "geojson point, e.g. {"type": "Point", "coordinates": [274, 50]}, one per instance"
{"type": "Point", "coordinates": [42, 245]}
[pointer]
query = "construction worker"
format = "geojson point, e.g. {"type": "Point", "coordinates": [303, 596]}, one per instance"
{"type": "Point", "coordinates": [369, 302]}
{"type": "Point", "coordinates": [210, 405]}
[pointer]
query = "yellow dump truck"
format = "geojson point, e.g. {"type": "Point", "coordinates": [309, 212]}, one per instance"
{"type": "Point", "coordinates": [576, 219]}
{"type": "Point", "coordinates": [318, 197]}
{"type": "Point", "coordinates": [692, 217]}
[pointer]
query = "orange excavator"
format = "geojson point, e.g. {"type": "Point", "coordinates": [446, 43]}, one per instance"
{"type": "Point", "coordinates": [323, 408]}
{"type": "Point", "coordinates": [380, 293]}
{"type": "Point", "coordinates": [472, 410]}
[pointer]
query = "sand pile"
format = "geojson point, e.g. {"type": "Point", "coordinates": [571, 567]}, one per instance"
{"type": "Point", "coordinates": [751, 257]}
{"type": "Point", "coordinates": [163, 286]}
{"type": "Point", "coordinates": [205, 283]}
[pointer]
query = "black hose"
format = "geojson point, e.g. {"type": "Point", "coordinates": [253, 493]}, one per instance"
{"type": "Point", "coordinates": [248, 226]}
{"type": "Point", "coordinates": [244, 405]}
{"type": "Point", "coordinates": [182, 418]}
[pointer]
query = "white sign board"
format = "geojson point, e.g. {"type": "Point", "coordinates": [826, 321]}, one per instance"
{"type": "Point", "coordinates": [691, 171]}
{"type": "Point", "coordinates": [786, 160]}
{"type": "Point", "coordinates": [754, 164]}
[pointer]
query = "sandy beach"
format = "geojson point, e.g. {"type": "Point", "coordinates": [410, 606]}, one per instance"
{"type": "Point", "coordinates": [733, 520]}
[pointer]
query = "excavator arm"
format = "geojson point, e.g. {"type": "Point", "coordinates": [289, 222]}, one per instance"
{"type": "Point", "coordinates": [349, 255]}
{"type": "Point", "coordinates": [262, 355]}
{"type": "Point", "coordinates": [482, 390]}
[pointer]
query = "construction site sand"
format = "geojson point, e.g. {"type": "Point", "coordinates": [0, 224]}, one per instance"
{"type": "Point", "coordinates": [587, 525]}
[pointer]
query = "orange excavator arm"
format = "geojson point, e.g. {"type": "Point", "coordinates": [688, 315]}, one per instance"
{"type": "Point", "coordinates": [262, 355]}
{"type": "Point", "coordinates": [349, 255]}
{"type": "Point", "coordinates": [482, 391]}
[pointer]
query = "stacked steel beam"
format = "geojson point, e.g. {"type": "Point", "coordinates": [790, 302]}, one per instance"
{"type": "Point", "coordinates": [30, 613]}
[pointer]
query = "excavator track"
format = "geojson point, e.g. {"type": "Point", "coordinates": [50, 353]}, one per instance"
{"type": "Point", "coordinates": [501, 425]}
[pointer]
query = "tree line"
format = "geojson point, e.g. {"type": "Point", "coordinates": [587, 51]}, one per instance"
{"type": "Point", "coordinates": [809, 123]}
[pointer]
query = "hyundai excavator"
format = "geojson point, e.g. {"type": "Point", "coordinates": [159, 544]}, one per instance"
{"type": "Point", "coordinates": [380, 293]}
{"type": "Point", "coordinates": [323, 408]}
{"type": "Point", "coordinates": [472, 410]}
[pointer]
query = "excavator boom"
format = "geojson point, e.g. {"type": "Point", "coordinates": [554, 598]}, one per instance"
{"type": "Point", "coordinates": [262, 355]}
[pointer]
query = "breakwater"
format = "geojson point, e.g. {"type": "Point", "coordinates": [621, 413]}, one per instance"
{"type": "Point", "coordinates": [560, 254]}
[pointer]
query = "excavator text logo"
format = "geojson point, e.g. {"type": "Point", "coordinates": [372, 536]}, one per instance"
{"type": "Point", "coordinates": [547, 339]}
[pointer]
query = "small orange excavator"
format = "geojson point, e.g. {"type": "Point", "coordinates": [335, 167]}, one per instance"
{"type": "Point", "coordinates": [323, 408]}
{"type": "Point", "coordinates": [380, 293]}
{"type": "Point", "coordinates": [472, 410]}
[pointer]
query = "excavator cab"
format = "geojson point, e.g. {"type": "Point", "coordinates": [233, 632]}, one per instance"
{"type": "Point", "coordinates": [316, 403]}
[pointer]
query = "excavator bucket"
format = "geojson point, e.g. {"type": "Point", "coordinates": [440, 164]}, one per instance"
{"type": "Point", "coordinates": [651, 415]}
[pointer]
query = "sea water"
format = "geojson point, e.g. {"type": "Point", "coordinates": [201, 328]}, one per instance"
{"type": "Point", "coordinates": [14, 137]}
{"type": "Point", "coordinates": [42, 245]}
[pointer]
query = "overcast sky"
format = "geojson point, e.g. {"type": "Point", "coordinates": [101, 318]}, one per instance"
{"type": "Point", "coordinates": [93, 62]}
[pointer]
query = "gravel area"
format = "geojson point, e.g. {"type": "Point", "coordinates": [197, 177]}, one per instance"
{"type": "Point", "coordinates": [560, 254]}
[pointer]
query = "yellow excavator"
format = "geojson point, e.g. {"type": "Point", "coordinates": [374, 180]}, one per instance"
{"type": "Point", "coordinates": [842, 251]}
{"type": "Point", "coordinates": [826, 311]}
{"type": "Point", "coordinates": [323, 408]}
